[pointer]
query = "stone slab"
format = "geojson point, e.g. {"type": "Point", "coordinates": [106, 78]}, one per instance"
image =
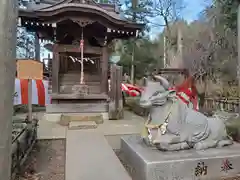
{"type": "Point", "coordinates": [148, 163]}
{"type": "Point", "coordinates": [56, 117]}
{"type": "Point", "coordinates": [90, 157]}
{"type": "Point", "coordinates": [51, 130]}
{"type": "Point", "coordinates": [52, 117]}
{"type": "Point", "coordinates": [67, 118]}
{"type": "Point", "coordinates": [82, 125]}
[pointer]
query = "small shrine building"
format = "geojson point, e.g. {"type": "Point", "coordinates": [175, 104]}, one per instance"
{"type": "Point", "coordinates": [81, 32]}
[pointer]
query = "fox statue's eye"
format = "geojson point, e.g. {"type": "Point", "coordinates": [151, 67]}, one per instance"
{"type": "Point", "coordinates": [156, 93]}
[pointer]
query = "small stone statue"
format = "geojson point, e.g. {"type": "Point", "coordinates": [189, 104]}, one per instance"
{"type": "Point", "coordinates": [172, 125]}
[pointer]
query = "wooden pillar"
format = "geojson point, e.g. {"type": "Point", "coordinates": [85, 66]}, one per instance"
{"type": "Point", "coordinates": [37, 47]}
{"type": "Point", "coordinates": [116, 101]}
{"type": "Point", "coordinates": [8, 14]}
{"type": "Point", "coordinates": [49, 65]}
{"type": "Point", "coordinates": [180, 48]}
{"type": "Point", "coordinates": [104, 69]}
{"type": "Point", "coordinates": [112, 93]}
{"type": "Point", "coordinates": [238, 69]}
{"type": "Point", "coordinates": [119, 100]}
{"type": "Point", "coordinates": [55, 70]}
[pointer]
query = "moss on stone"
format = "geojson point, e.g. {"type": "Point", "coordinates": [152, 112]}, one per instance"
{"type": "Point", "coordinates": [233, 128]}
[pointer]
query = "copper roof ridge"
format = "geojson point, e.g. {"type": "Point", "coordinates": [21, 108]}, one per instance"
{"type": "Point", "coordinates": [65, 2]}
{"type": "Point", "coordinates": [88, 6]}
{"type": "Point", "coordinates": [56, 4]}
{"type": "Point", "coordinates": [63, 6]}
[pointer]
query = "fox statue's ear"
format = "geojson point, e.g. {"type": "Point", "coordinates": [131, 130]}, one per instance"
{"type": "Point", "coordinates": [163, 81]}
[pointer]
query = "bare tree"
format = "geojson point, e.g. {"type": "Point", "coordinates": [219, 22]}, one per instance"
{"type": "Point", "coordinates": [167, 13]}
{"type": "Point", "coordinates": [198, 53]}
{"type": "Point", "coordinates": [210, 53]}
{"type": "Point", "coordinates": [209, 48]}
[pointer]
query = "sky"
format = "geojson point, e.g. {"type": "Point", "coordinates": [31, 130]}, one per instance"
{"type": "Point", "coordinates": [190, 13]}
{"type": "Point", "coordinates": [193, 8]}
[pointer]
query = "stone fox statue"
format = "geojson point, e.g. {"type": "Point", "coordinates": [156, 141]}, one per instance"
{"type": "Point", "coordinates": [172, 125]}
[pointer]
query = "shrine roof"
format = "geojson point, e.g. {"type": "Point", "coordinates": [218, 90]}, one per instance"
{"type": "Point", "coordinates": [48, 8]}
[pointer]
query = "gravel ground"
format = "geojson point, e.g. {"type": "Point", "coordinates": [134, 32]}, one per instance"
{"type": "Point", "coordinates": [46, 161]}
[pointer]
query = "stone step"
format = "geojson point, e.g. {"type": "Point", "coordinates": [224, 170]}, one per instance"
{"type": "Point", "coordinates": [76, 77]}
{"type": "Point", "coordinates": [96, 83]}
{"type": "Point", "coordinates": [210, 164]}
{"type": "Point", "coordinates": [74, 125]}
{"type": "Point", "coordinates": [66, 119]}
{"type": "Point", "coordinates": [77, 108]}
{"type": "Point", "coordinates": [89, 157]}
{"type": "Point", "coordinates": [92, 89]}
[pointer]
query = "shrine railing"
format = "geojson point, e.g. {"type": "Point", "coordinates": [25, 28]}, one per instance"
{"type": "Point", "coordinates": [210, 104]}
{"type": "Point", "coordinates": [229, 105]}
{"type": "Point", "coordinates": [24, 137]}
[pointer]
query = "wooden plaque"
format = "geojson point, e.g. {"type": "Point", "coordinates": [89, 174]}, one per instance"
{"type": "Point", "coordinates": [29, 69]}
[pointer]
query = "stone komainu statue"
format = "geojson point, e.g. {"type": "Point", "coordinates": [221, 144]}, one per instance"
{"type": "Point", "coordinates": [172, 125]}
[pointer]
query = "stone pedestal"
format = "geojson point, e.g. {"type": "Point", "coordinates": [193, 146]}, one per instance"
{"type": "Point", "coordinates": [149, 163]}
